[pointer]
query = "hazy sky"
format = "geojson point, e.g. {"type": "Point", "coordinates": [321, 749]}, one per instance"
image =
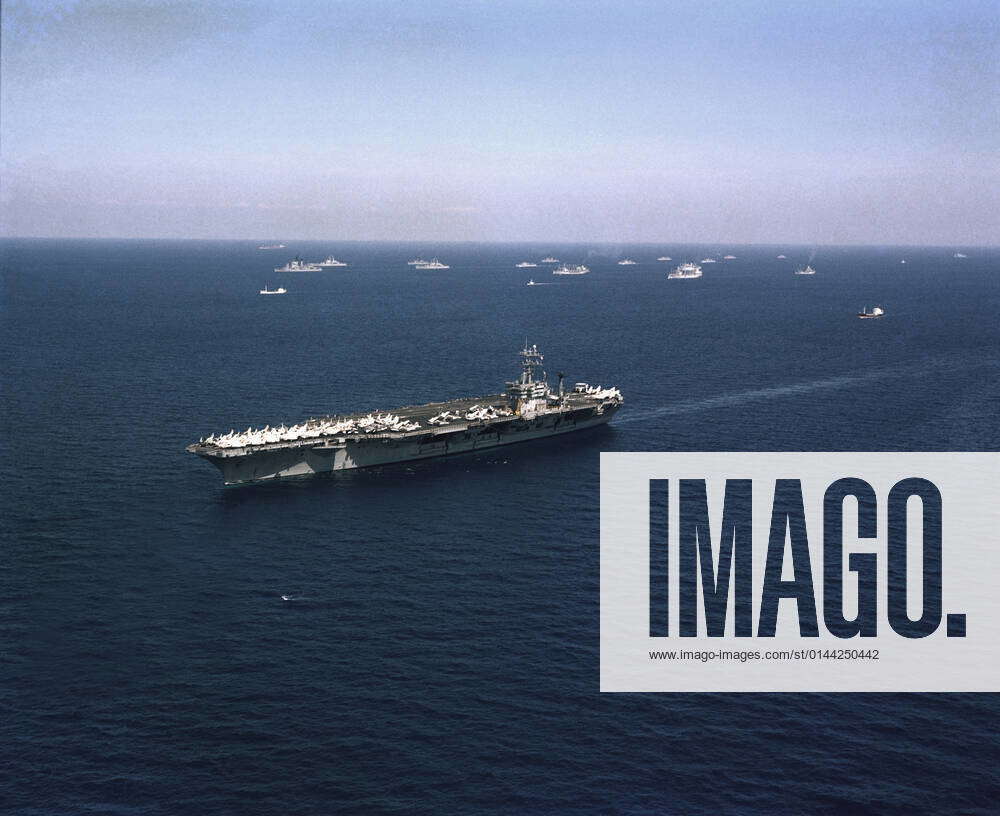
{"type": "Point", "coordinates": [757, 121]}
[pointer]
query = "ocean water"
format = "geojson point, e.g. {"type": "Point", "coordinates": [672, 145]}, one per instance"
{"type": "Point", "coordinates": [441, 653]}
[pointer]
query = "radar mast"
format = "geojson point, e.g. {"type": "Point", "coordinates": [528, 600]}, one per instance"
{"type": "Point", "coordinates": [531, 359]}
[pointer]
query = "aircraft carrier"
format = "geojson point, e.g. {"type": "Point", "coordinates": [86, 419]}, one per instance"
{"type": "Point", "coordinates": [528, 409]}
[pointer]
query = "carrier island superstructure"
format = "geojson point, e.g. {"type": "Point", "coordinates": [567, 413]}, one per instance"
{"type": "Point", "coordinates": [528, 409]}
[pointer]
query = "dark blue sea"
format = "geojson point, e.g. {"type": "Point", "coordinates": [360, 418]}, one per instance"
{"type": "Point", "coordinates": [442, 653]}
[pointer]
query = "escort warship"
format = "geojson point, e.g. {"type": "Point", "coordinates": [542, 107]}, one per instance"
{"type": "Point", "coordinates": [686, 270]}
{"type": "Point", "coordinates": [298, 265]}
{"type": "Point", "coordinates": [528, 409]}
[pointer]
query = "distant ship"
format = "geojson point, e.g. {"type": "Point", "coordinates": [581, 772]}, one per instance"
{"type": "Point", "coordinates": [279, 291]}
{"type": "Point", "coordinates": [525, 265]}
{"type": "Point", "coordinates": [686, 270]}
{"type": "Point", "coordinates": [805, 270]}
{"type": "Point", "coordinates": [708, 260]}
{"type": "Point", "coordinates": [664, 258]}
{"type": "Point", "coordinates": [877, 311]}
{"type": "Point", "coordinates": [959, 255]}
{"type": "Point", "coordinates": [626, 262]}
{"type": "Point", "coordinates": [298, 265]}
{"type": "Point", "coordinates": [550, 259]}
{"type": "Point", "coordinates": [528, 409]}
{"type": "Point", "coordinates": [566, 269]}
{"type": "Point", "coordinates": [417, 262]}
{"type": "Point", "coordinates": [903, 261]}
{"type": "Point", "coordinates": [271, 246]}
{"type": "Point", "coordinates": [729, 257]}
{"type": "Point", "coordinates": [435, 264]}
{"type": "Point", "coordinates": [781, 257]}
{"type": "Point", "coordinates": [331, 261]}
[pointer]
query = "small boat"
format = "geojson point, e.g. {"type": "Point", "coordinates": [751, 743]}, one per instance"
{"type": "Point", "coordinates": [876, 311]}
{"type": "Point", "coordinates": [781, 257]}
{"type": "Point", "coordinates": [279, 291]}
{"type": "Point", "coordinates": [708, 260]}
{"type": "Point", "coordinates": [903, 261]}
{"type": "Point", "coordinates": [805, 270]}
{"type": "Point", "coordinates": [271, 246]}
{"type": "Point", "coordinates": [960, 255]}
{"type": "Point", "coordinates": [550, 259]}
{"type": "Point", "coordinates": [686, 270]}
{"type": "Point", "coordinates": [626, 262]}
{"type": "Point", "coordinates": [330, 261]}
{"type": "Point", "coordinates": [525, 265]}
{"type": "Point", "coordinates": [566, 269]}
{"type": "Point", "coordinates": [531, 282]}
{"type": "Point", "coordinates": [298, 265]}
{"type": "Point", "coordinates": [664, 258]}
{"type": "Point", "coordinates": [729, 257]}
{"type": "Point", "coordinates": [435, 264]}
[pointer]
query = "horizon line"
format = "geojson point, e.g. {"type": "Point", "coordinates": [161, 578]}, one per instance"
{"type": "Point", "coordinates": [553, 242]}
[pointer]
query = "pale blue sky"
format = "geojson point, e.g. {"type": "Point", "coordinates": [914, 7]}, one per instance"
{"type": "Point", "coordinates": [850, 122]}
